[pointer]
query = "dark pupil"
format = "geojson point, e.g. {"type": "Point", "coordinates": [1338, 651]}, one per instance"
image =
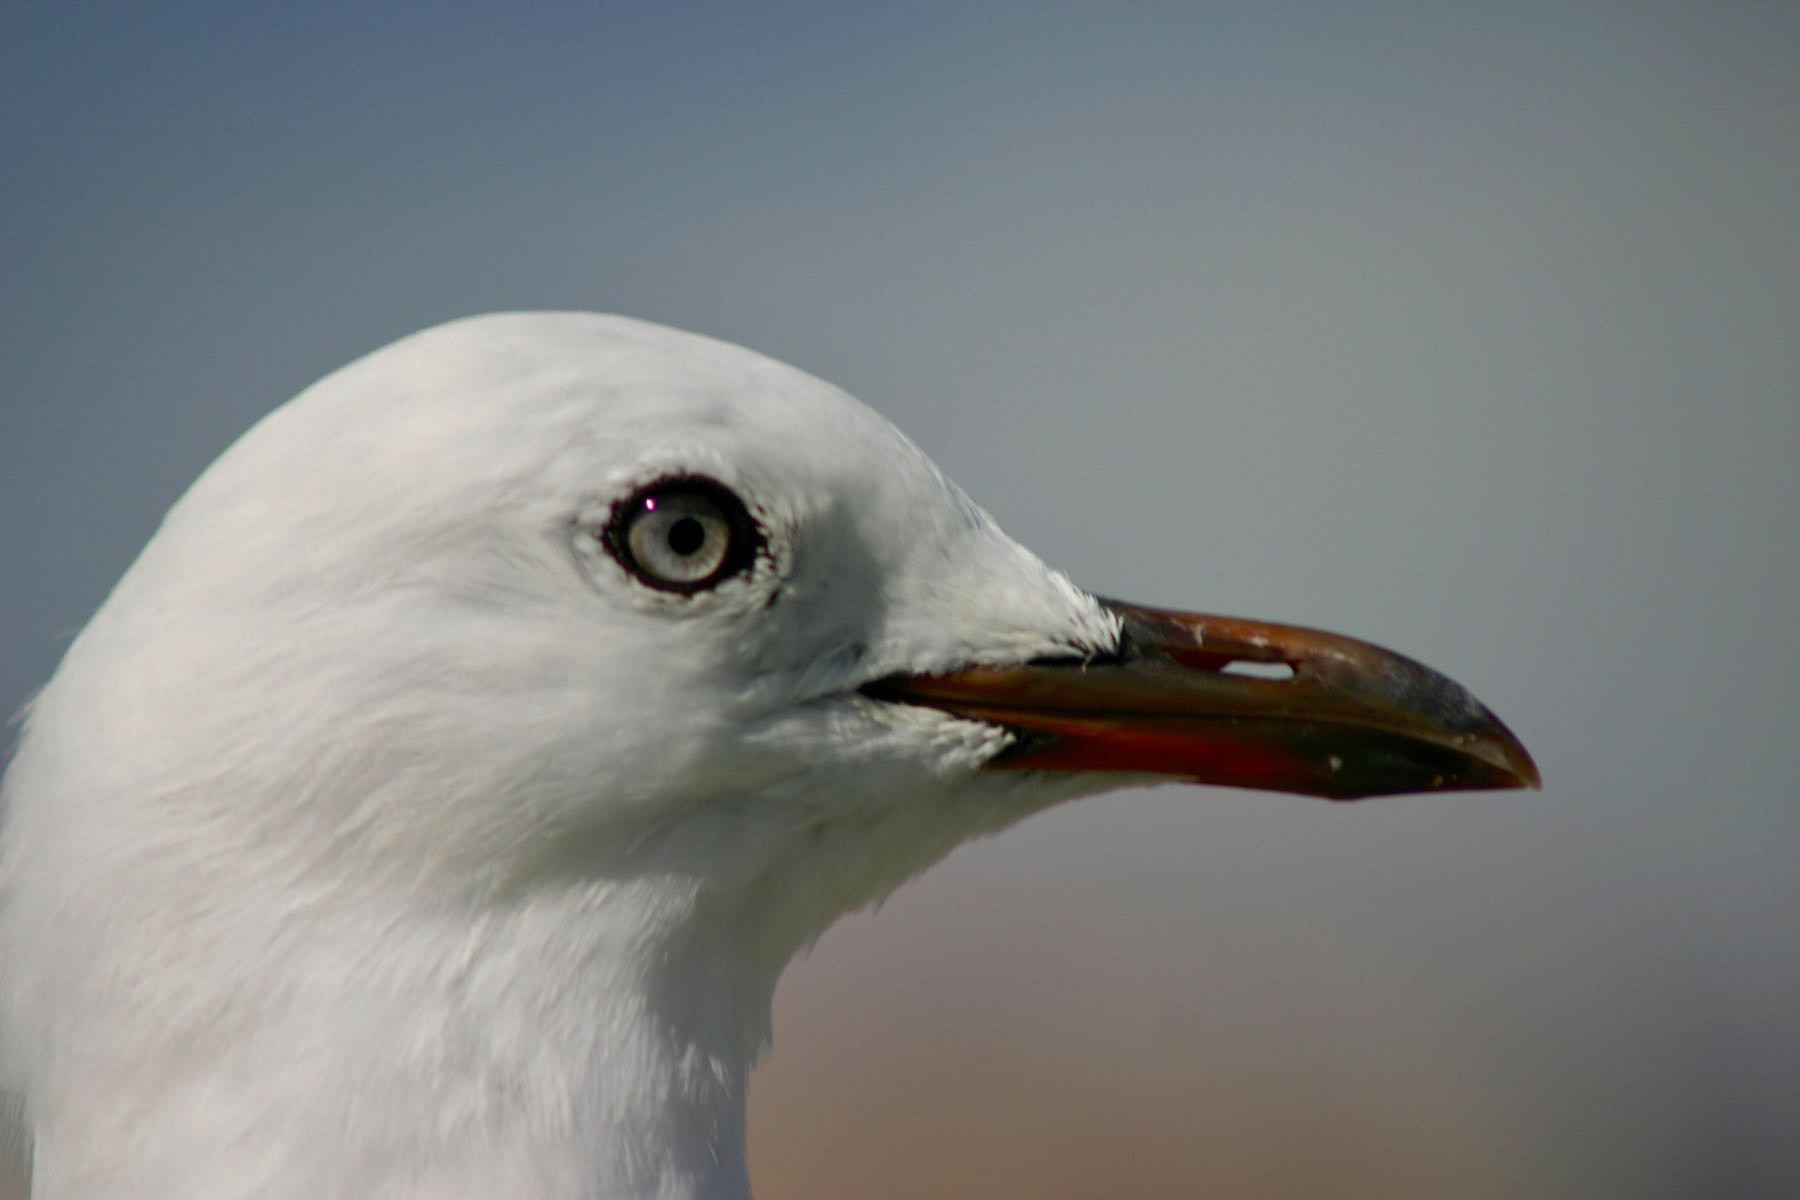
{"type": "Point", "coordinates": [686, 536]}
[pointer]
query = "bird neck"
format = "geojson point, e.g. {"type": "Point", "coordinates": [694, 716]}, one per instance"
{"type": "Point", "coordinates": [590, 1041]}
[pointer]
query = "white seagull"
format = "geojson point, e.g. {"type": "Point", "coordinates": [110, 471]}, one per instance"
{"type": "Point", "coordinates": [432, 807]}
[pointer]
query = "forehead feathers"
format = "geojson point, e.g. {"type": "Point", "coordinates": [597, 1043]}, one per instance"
{"type": "Point", "coordinates": [470, 446]}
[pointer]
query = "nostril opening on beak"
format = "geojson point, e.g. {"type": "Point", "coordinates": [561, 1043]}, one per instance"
{"type": "Point", "coordinates": [1278, 671]}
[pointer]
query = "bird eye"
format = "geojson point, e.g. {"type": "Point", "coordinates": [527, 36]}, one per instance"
{"type": "Point", "coordinates": [683, 535]}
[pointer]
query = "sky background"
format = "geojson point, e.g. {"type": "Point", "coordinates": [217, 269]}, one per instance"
{"type": "Point", "coordinates": [1472, 330]}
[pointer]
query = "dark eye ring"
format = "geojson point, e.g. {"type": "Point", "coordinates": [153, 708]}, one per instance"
{"type": "Point", "coordinates": [684, 534]}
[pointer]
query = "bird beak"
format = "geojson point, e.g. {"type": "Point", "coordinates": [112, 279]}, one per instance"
{"type": "Point", "coordinates": [1222, 700]}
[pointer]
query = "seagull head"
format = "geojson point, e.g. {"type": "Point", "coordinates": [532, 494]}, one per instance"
{"type": "Point", "coordinates": [557, 668]}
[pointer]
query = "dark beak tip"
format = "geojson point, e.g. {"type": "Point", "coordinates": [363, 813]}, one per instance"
{"type": "Point", "coordinates": [1522, 767]}
{"type": "Point", "coordinates": [1505, 755]}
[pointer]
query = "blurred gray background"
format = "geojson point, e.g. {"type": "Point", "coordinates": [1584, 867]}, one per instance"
{"type": "Point", "coordinates": [1473, 330]}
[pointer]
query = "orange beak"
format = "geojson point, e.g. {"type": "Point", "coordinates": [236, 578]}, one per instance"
{"type": "Point", "coordinates": [1236, 703]}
